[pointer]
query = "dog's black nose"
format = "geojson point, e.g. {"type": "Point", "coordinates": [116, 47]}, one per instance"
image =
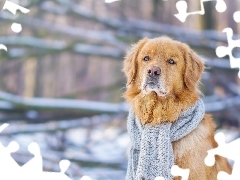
{"type": "Point", "coordinates": [154, 71]}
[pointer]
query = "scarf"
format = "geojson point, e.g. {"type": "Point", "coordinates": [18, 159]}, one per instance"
{"type": "Point", "coordinates": [151, 154]}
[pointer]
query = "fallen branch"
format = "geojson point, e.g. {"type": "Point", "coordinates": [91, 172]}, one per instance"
{"type": "Point", "coordinates": [62, 104]}
{"type": "Point", "coordinates": [55, 125]}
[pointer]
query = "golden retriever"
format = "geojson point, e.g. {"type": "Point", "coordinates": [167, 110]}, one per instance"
{"type": "Point", "coordinates": [162, 81]}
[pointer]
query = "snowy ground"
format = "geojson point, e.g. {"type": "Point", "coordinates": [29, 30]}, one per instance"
{"type": "Point", "coordinates": [97, 151]}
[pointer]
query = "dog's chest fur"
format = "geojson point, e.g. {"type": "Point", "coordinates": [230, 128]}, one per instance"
{"type": "Point", "coordinates": [192, 140]}
{"type": "Point", "coordinates": [190, 151]}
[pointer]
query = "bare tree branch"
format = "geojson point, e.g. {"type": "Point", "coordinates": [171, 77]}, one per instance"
{"type": "Point", "coordinates": [104, 37]}
{"type": "Point", "coordinates": [64, 104]}
{"type": "Point", "coordinates": [222, 104]}
{"type": "Point", "coordinates": [207, 38]}
{"type": "Point", "coordinates": [56, 125]}
{"type": "Point", "coordinates": [33, 42]}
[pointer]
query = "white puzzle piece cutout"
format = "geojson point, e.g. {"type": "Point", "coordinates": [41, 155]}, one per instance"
{"type": "Point", "coordinates": [32, 169]}
{"type": "Point", "coordinates": [159, 178]}
{"type": "Point", "coordinates": [86, 178]}
{"type": "Point", "coordinates": [3, 126]}
{"type": "Point", "coordinates": [177, 171]}
{"type": "Point", "coordinates": [2, 46]}
{"type": "Point", "coordinates": [111, 1]}
{"type": "Point", "coordinates": [182, 7]}
{"type": "Point", "coordinates": [5, 156]}
{"type": "Point", "coordinates": [35, 164]}
{"type": "Point", "coordinates": [17, 28]}
{"type": "Point", "coordinates": [12, 7]}
{"type": "Point", "coordinates": [228, 150]}
{"type": "Point", "coordinates": [222, 51]}
{"type": "Point", "coordinates": [236, 16]}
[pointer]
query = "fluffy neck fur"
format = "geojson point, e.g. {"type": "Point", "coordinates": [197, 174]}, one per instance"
{"type": "Point", "coordinates": [154, 109]}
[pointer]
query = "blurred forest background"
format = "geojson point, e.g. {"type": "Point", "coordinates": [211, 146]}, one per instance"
{"type": "Point", "coordinates": [61, 83]}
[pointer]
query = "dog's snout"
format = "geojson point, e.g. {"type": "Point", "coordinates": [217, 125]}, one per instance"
{"type": "Point", "coordinates": [154, 71]}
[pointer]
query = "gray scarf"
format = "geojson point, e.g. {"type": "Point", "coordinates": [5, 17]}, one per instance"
{"type": "Point", "coordinates": [151, 153]}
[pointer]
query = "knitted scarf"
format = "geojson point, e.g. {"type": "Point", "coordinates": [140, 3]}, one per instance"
{"type": "Point", "coordinates": [151, 153]}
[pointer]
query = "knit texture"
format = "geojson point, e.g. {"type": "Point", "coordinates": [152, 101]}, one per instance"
{"type": "Point", "coordinates": [151, 153]}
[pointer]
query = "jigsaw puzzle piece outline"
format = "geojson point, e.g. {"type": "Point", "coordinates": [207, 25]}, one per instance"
{"type": "Point", "coordinates": [16, 27]}
{"type": "Point", "coordinates": [64, 165]}
{"type": "Point", "coordinates": [235, 173]}
{"type": "Point", "coordinates": [5, 153]}
{"type": "Point", "coordinates": [229, 150]}
{"type": "Point", "coordinates": [236, 16]}
{"type": "Point", "coordinates": [182, 7]}
{"type": "Point", "coordinates": [12, 7]}
{"type": "Point", "coordinates": [177, 171]}
{"type": "Point", "coordinates": [223, 150]}
{"type": "Point", "coordinates": [2, 46]}
{"type": "Point", "coordinates": [7, 163]}
{"type": "Point", "coordinates": [4, 125]}
{"type": "Point", "coordinates": [33, 169]}
{"type": "Point", "coordinates": [111, 1]}
{"type": "Point", "coordinates": [222, 51]}
{"type": "Point", "coordinates": [35, 164]}
{"type": "Point", "coordinates": [159, 178]}
{"type": "Point", "coordinates": [88, 178]}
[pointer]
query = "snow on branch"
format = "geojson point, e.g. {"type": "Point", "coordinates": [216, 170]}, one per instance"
{"type": "Point", "coordinates": [103, 37]}
{"type": "Point", "coordinates": [20, 102]}
{"type": "Point", "coordinates": [33, 42]}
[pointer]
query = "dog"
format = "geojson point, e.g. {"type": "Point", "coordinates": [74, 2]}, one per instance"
{"type": "Point", "coordinates": [163, 78]}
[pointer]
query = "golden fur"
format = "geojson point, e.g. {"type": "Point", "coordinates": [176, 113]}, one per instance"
{"type": "Point", "coordinates": [176, 90]}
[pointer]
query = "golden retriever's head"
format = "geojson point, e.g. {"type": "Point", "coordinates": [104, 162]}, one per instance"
{"type": "Point", "coordinates": [163, 66]}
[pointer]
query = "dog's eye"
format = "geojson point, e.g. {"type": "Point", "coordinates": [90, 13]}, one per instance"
{"type": "Point", "coordinates": [171, 61]}
{"type": "Point", "coordinates": [146, 58]}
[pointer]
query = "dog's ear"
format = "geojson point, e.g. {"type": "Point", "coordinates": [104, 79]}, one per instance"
{"type": "Point", "coordinates": [130, 62]}
{"type": "Point", "coordinates": [194, 66]}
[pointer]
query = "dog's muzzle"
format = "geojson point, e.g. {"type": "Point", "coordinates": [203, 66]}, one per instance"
{"type": "Point", "coordinates": [152, 79]}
